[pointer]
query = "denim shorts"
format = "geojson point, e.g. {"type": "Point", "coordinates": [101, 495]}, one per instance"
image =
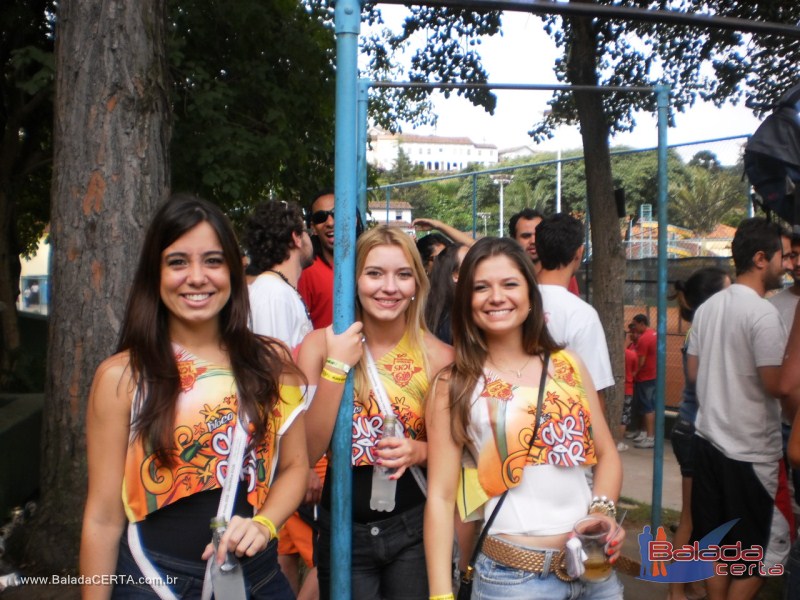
{"type": "Point", "coordinates": [644, 396]}
{"type": "Point", "coordinates": [496, 581]}
{"type": "Point", "coordinates": [262, 575]}
{"type": "Point", "coordinates": [388, 558]}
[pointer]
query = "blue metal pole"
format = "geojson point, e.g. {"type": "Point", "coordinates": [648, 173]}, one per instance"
{"type": "Point", "coordinates": [347, 19]}
{"type": "Point", "coordinates": [363, 99]}
{"type": "Point", "coordinates": [662, 95]}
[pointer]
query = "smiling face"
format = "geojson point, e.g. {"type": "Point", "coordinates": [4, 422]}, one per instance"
{"type": "Point", "coordinates": [195, 279]}
{"type": "Point", "coordinates": [500, 296]}
{"type": "Point", "coordinates": [779, 264]}
{"type": "Point", "coordinates": [323, 229]}
{"type": "Point", "coordinates": [386, 284]}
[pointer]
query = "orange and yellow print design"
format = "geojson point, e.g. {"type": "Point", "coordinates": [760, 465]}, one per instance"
{"type": "Point", "coordinates": [205, 420]}
{"type": "Point", "coordinates": [406, 383]}
{"type": "Point", "coordinates": [565, 430]}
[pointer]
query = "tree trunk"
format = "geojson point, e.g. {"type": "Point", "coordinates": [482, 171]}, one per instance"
{"type": "Point", "coordinates": [111, 171]}
{"type": "Point", "coordinates": [608, 258]}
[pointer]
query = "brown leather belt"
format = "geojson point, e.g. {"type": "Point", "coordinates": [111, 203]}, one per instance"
{"type": "Point", "coordinates": [532, 561]}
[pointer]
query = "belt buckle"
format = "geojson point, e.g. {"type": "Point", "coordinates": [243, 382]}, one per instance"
{"type": "Point", "coordinates": [559, 567]}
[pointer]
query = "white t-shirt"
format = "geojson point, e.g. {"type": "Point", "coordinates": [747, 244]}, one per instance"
{"type": "Point", "coordinates": [277, 310]}
{"type": "Point", "coordinates": [786, 303]}
{"type": "Point", "coordinates": [576, 324]}
{"type": "Point", "coordinates": [735, 332]}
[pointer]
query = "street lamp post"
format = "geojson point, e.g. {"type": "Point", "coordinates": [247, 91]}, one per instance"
{"type": "Point", "coordinates": [484, 216]}
{"type": "Point", "coordinates": [502, 180]}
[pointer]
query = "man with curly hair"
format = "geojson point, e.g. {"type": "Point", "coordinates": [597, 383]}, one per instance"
{"type": "Point", "coordinates": [279, 248]}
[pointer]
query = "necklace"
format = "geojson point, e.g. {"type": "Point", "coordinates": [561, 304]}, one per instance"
{"type": "Point", "coordinates": [286, 281]}
{"type": "Point", "coordinates": [517, 372]}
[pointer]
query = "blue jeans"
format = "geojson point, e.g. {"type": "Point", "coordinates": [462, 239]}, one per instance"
{"type": "Point", "coordinates": [263, 577]}
{"type": "Point", "coordinates": [388, 558]}
{"type": "Point", "coordinates": [496, 581]}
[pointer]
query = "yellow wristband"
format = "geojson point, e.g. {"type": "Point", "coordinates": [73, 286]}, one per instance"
{"type": "Point", "coordinates": [443, 597]}
{"type": "Point", "coordinates": [262, 520]}
{"type": "Point", "coordinates": [337, 364]}
{"type": "Point", "coordinates": [333, 377]}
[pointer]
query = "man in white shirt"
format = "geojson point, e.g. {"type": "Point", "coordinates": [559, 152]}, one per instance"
{"type": "Point", "coordinates": [735, 352]}
{"type": "Point", "coordinates": [786, 300]}
{"type": "Point", "coordinates": [570, 320]}
{"type": "Point", "coordinates": [279, 249]}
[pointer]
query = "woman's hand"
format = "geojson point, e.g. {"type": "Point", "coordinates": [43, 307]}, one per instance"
{"type": "Point", "coordinates": [400, 453]}
{"type": "Point", "coordinates": [243, 537]}
{"type": "Point", "coordinates": [614, 539]}
{"type": "Point", "coordinates": [346, 346]}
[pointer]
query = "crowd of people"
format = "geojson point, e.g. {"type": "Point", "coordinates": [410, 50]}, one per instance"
{"type": "Point", "coordinates": [228, 378]}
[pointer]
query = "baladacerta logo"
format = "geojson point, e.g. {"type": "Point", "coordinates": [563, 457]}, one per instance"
{"type": "Point", "coordinates": [662, 562]}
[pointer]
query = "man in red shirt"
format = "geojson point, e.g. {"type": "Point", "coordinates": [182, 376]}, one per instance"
{"type": "Point", "coordinates": [645, 381]}
{"type": "Point", "coordinates": [316, 282]}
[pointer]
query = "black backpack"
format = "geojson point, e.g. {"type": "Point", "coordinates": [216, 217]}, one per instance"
{"type": "Point", "coordinates": [772, 159]}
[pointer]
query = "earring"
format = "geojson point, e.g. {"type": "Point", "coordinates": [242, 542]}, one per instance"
{"type": "Point", "coordinates": [413, 298]}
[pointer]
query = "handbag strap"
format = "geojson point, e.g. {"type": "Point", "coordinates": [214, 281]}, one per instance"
{"type": "Point", "coordinates": [542, 381]}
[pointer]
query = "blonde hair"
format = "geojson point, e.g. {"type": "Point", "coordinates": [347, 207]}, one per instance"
{"type": "Point", "coordinates": [415, 313]}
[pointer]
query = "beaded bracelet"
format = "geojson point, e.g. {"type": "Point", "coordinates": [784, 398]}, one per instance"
{"type": "Point", "coordinates": [262, 520]}
{"type": "Point", "coordinates": [333, 377]}
{"type": "Point", "coordinates": [337, 364]}
{"type": "Point", "coordinates": [605, 505]}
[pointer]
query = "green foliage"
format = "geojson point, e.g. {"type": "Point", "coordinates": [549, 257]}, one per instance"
{"type": "Point", "coordinates": [706, 198]}
{"type": "Point", "coordinates": [712, 64]}
{"type": "Point", "coordinates": [26, 117]}
{"type": "Point", "coordinates": [253, 99]}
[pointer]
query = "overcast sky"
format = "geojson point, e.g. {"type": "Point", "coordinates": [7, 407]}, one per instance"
{"type": "Point", "coordinates": [526, 54]}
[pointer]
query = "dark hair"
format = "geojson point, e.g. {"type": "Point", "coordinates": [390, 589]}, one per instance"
{"type": "Point", "coordinates": [699, 287]}
{"type": "Point", "coordinates": [755, 235]}
{"type": "Point", "coordinates": [640, 318]}
{"type": "Point", "coordinates": [469, 341]}
{"type": "Point", "coordinates": [442, 292]}
{"type": "Point", "coordinates": [256, 363]}
{"type": "Point", "coordinates": [527, 214]}
{"type": "Point", "coordinates": [268, 233]}
{"type": "Point", "coordinates": [426, 243]}
{"type": "Point", "coordinates": [558, 238]}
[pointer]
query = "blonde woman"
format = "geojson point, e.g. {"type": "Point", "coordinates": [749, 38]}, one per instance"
{"type": "Point", "coordinates": [388, 556]}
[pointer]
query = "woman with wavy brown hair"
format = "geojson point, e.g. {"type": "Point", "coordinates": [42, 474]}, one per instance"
{"type": "Point", "coordinates": [533, 469]}
{"type": "Point", "coordinates": [163, 417]}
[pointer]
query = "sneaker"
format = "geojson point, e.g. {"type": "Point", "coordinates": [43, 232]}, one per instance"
{"type": "Point", "coordinates": [639, 436]}
{"type": "Point", "coordinates": [629, 435]}
{"type": "Point", "coordinates": [622, 447]}
{"type": "Point", "coordinates": [645, 442]}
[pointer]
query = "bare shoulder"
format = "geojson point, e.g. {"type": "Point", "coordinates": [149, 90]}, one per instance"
{"type": "Point", "coordinates": [114, 384]}
{"type": "Point", "coordinates": [439, 354]}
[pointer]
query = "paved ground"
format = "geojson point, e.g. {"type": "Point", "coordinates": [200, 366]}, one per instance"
{"type": "Point", "coordinates": [637, 484]}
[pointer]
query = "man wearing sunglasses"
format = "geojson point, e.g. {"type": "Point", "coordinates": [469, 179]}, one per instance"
{"type": "Point", "coordinates": [316, 282]}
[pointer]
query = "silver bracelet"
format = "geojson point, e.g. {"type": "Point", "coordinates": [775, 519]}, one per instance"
{"type": "Point", "coordinates": [605, 505]}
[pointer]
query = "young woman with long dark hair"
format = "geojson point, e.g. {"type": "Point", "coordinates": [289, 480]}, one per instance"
{"type": "Point", "coordinates": [162, 414]}
{"type": "Point", "coordinates": [486, 403]}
